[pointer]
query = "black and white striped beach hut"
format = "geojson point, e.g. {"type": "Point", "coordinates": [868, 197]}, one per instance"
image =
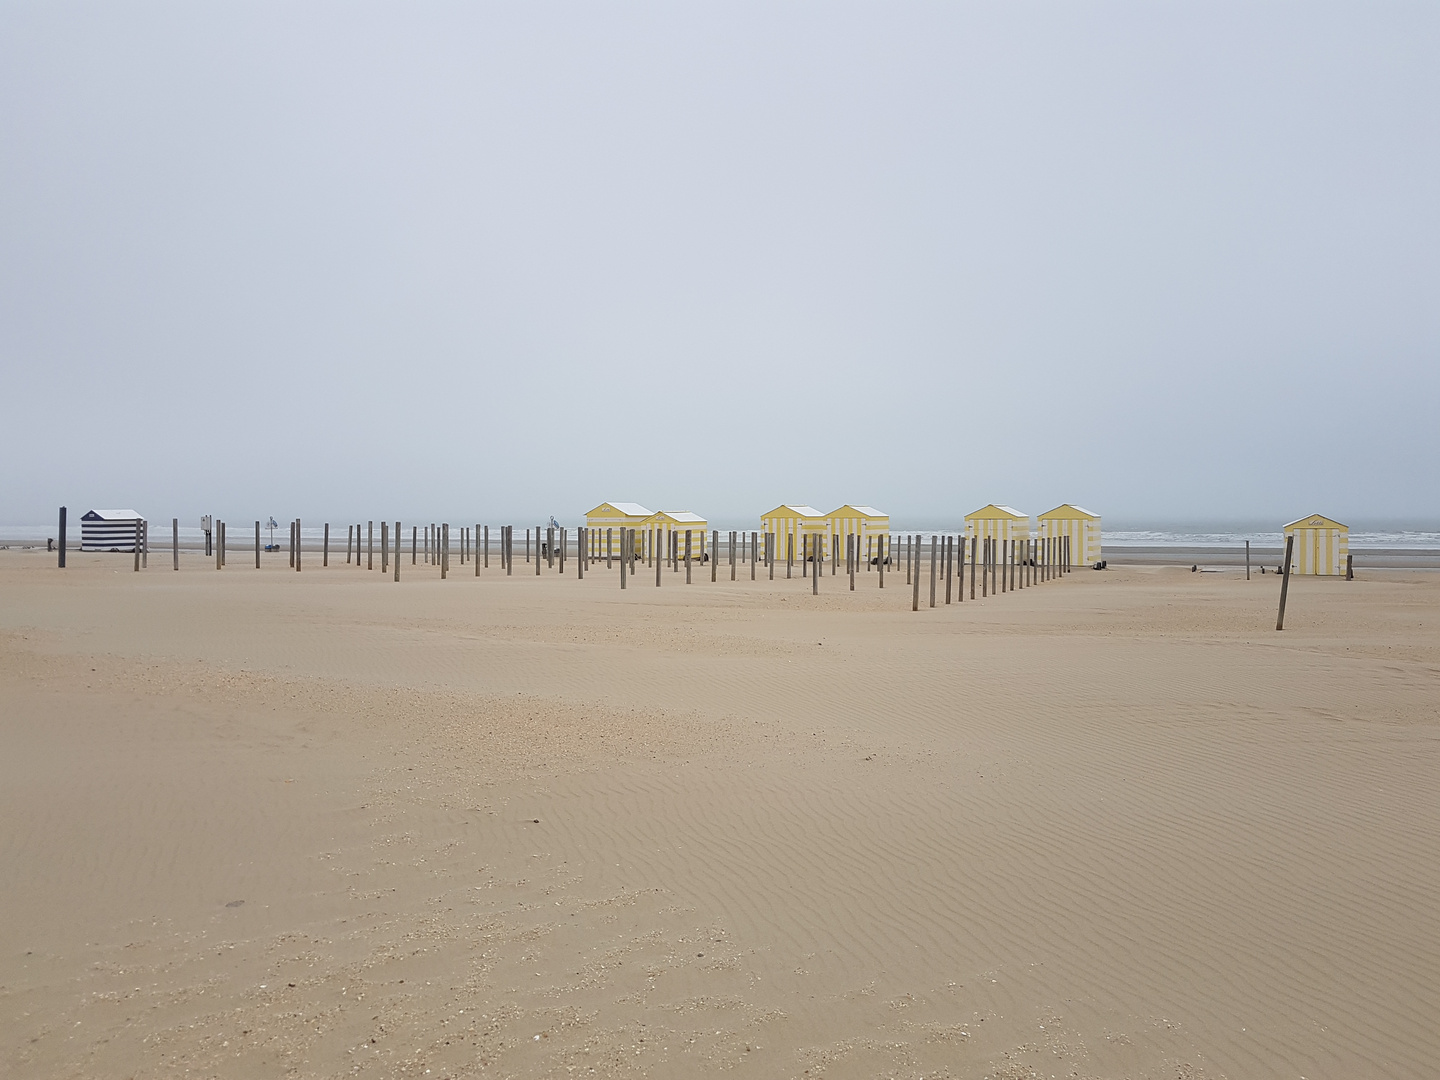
{"type": "Point", "coordinates": [108, 530]}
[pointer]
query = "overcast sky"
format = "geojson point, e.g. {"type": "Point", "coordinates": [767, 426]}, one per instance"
{"type": "Point", "coordinates": [497, 261]}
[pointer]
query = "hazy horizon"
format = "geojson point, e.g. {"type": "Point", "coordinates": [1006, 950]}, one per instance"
{"type": "Point", "coordinates": [1170, 263]}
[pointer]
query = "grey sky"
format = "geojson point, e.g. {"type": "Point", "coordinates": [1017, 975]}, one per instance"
{"type": "Point", "coordinates": [498, 261]}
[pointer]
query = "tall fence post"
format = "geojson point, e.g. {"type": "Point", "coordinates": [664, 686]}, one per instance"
{"type": "Point", "coordinates": [1285, 581]}
{"type": "Point", "coordinates": [63, 512]}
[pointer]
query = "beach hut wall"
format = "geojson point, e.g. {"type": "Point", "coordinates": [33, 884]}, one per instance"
{"type": "Point", "coordinates": [108, 530]}
{"type": "Point", "coordinates": [1321, 545]}
{"type": "Point", "coordinates": [614, 515]}
{"type": "Point", "coordinates": [996, 522]}
{"type": "Point", "coordinates": [863, 522]}
{"type": "Point", "coordinates": [1080, 525]}
{"type": "Point", "coordinates": [793, 526]}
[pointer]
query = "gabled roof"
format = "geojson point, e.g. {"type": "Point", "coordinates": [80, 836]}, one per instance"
{"type": "Point", "coordinates": [791, 510]}
{"type": "Point", "coordinates": [680, 517]}
{"type": "Point", "coordinates": [1070, 510]}
{"type": "Point", "coordinates": [861, 511]}
{"type": "Point", "coordinates": [1315, 521]}
{"type": "Point", "coordinates": [997, 511]}
{"type": "Point", "coordinates": [110, 515]}
{"type": "Point", "coordinates": [628, 509]}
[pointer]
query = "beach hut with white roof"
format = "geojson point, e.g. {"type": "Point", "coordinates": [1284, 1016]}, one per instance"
{"type": "Point", "coordinates": [863, 521]}
{"type": "Point", "coordinates": [679, 522]}
{"type": "Point", "coordinates": [798, 524]}
{"type": "Point", "coordinates": [108, 530]}
{"type": "Point", "coordinates": [996, 522]}
{"type": "Point", "coordinates": [1321, 545]}
{"type": "Point", "coordinates": [613, 515]}
{"type": "Point", "coordinates": [1080, 525]}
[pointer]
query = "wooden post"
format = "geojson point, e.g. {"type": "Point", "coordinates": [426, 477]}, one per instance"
{"type": "Point", "coordinates": [325, 558]}
{"type": "Point", "coordinates": [444, 551]}
{"type": "Point", "coordinates": [292, 544]}
{"type": "Point", "coordinates": [880, 557]}
{"type": "Point", "coordinates": [222, 542]}
{"type": "Point", "coordinates": [624, 536]}
{"type": "Point", "coordinates": [687, 556]}
{"type": "Point", "coordinates": [854, 552]}
{"type": "Point", "coordinates": [1247, 561]}
{"type": "Point", "coordinates": [734, 536]}
{"type": "Point", "coordinates": [1285, 581]}
{"type": "Point", "coordinates": [752, 555]}
{"type": "Point", "coordinates": [61, 552]}
{"type": "Point", "coordinates": [949, 568]}
{"type": "Point", "coordinates": [218, 561]}
{"type": "Point", "coordinates": [960, 565]}
{"type": "Point", "coordinates": [137, 545]}
{"type": "Point", "coordinates": [487, 547]}
{"type": "Point", "coordinates": [370, 546]}
{"type": "Point", "coordinates": [609, 548]}
{"type": "Point", "coordinates": [789, 552]}
{"type": "Point", "coordinates": [509, 550]}
{"type": "Point", "coordinates": [174, 540]}
{"type": "Point", "coordinates": [1349, 567]}
{"type": "Point", "coordinates": [414, 544]}
{"type": "Point", "coordinates": [934, 554]}
{"type": "Point", "coordinates": [257, 545]}
{"type": "Point", "coordinates": [912, 570]}
{"type": "Point", "coordinates": [299, 547]}
{"type": "Point", "coordinates": [349, 540]}
{"type": "Point", "coordinates": [397, 550]}
{"type": "Point", "coordinates": [384, 545]}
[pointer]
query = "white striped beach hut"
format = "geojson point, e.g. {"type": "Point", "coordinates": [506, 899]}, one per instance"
{"type": "Point", "coordinates": [1321, 545]}
{"type": "Point", "coordinates": [797, 523]}
{"type": "Point", "coordinates": [863, 521]}
{"type": "Point", "coordinates": [613, 515]}
{"type": "Point", "coordinates": [995, 522]}
{"type": "Point", "coordinates": [108, 530]}
{"type": "Point", "coordinates": [1080, 525]}
{"type": "Point", "coordinates": [678, 522]}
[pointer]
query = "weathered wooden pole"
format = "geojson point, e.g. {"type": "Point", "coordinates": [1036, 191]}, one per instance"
{"type": "Point", "coordinates": [349, 541]}
{"type": "Point", "coordinates": [687, 556]}
{"type": "Point", "coordinates": [751, 554]}
{"type": "Point", "coordinates": [487, 546]}
{"type": "Point", "coordinates": [912, 568]}
{"type": "Point", "coordinates": [257, 545]}
{"type": "Point", "coordinates": [609, 548]}
{"type": "Point", "coordinates": [949, 568]}
{"type": "Point", "coordinates": [384, 547]}
{"type": "Point", "coordinates": [934, 562]}
{"type": "Point", "coordinates": [137, 546]}
{"type": "Point", "coordinates": [960, 566]}
{"type": "Point", "coordinates": [816, 558]}
{"type": "Point", "coordinates": [219, 561]}
{"type": "Point", "coordinates": [854, 552]}
{"type": "Point", "coordinates": [880, 558]}
{"type": "Point", "coordinates": [61, 538]}
{"type": "Point", "coordinates": [174, 540]}
{"type": "Point", "coordinates": [414, 544]}
{"type": "Point", "coordinates": [325, 556]}
{"type": "Point", "coordinates": [734, 536]}
{"type": "Point", "coordinates": [1247, 561]}
{"type": "Point", "coordinates": [299, 546]}
{"type": "Point", "coordinates": [789, 552]}
{"type": "Point", "coordinates": [370, 545]}
{"type": "Point", "coordinates": [509, 550]}
{"type": "Point", "coordinates": [624, 562]}
{"type": "Point", "coordinates": [1349, 567]}
{"type": "Point", "coordinates": [445, 550]}
{"type": "Point", "coordinates": [398, 534]}
{"type": "Point", "coordinates": [1285, 581]}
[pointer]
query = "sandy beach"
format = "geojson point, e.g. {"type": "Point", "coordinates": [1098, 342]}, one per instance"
{"type": "Point", "coordinates": [259, 823]}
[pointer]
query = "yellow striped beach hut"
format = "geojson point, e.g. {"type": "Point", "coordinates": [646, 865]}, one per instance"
{"type": "Point", "coordinates": [863, 521]}
{"type": "Point", "coordinates": [678, 522]}
{"type": "Point", "coordinates": [613, 515]}
{"type": "Point", "coordinates": [1080, 525]}
{"type": "Point", "coordinates": [995, 522]}
{"type": "Point", "coordinates": [1321, 545]}
{"type": "Point", "coordinates": [797, 523]}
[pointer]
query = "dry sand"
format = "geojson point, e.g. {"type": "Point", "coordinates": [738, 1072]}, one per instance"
{"type": "Point", "coordinates": [260, 824]}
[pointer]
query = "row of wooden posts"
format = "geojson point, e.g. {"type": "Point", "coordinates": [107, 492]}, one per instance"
{"type": "Point", "coordinates": [996, 565]}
